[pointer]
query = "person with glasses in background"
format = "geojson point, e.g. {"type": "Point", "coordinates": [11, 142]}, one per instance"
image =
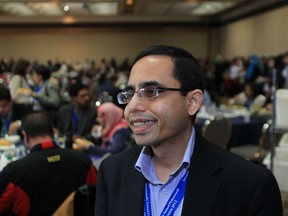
{"type": "Point", "coordinates": [173, 170]}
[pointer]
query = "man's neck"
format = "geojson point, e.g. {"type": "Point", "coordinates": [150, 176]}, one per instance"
{"type": "Point", "coordinates": [166, 159]}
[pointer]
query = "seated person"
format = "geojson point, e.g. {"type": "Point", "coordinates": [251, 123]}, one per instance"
{"type": "Point", "coordinates": [113, 130]}
{"type": "Point", "coordinates": [46, 94]}
{"type": "Point", "coordinates": [249, 97]}
{"type": "Point", "coordinates": [38, 183]}
{"type": "Point", "coordinates": [78, 117]}
{"type": "Point", "coordinates": [10, 113]}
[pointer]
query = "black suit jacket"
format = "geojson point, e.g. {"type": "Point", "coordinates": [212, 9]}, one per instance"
{"type": "Point", "coordinates": [65, 124]}
{"type": "Point", "coordinates": [219, 184]}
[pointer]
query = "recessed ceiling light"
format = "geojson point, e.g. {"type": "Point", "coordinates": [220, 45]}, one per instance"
{"type": "Point", "coordinates": [66, 8]}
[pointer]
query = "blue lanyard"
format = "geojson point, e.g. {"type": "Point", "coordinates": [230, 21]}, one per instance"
{"type": "Point", "coordinates": [75, 119]}
{"type": "Point", "coordinates": [37, 88]}
{"type": "Point", "coordinates": [7, 121]}
{"type": "Point", "coordinates": [173, 202]}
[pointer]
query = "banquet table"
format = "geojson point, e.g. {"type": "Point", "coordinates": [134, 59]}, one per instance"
{"type": "Point", "coordinates": [246, 128]}
{"type": "Point", "coordinates": [12, 153]}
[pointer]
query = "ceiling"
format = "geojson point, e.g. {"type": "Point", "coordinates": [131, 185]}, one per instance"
{"type": "Point", "coordinates": [74, 12]}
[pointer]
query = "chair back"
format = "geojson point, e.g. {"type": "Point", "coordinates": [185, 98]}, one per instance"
{"type": "Point", "coordinates": [79, 202]}
{"type": "Point", "coordinates": [218, 130]}
{"type": "Point", "coordinates": [266, 136]}
{"type": "Point", "coordinates": [84, 200]}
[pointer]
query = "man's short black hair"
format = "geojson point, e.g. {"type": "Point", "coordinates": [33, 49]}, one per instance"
{"type": "Point", "coordinates": [37, 123]}
{"type": "Point", "coordinates": [76, 88]}
{"type": "Point", "coordinates": [186, 68]}
{"type": "Point", "coordinates": [4, 93]}
{"type": "Point", "coordinates": [43, 71]}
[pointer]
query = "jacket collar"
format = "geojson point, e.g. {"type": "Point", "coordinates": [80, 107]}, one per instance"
{"type": "Point", "coordinates": [44, 145]}
{"type": "Point", "coordinates": [202, 186]}
{"type": "Point", "coordinates": [203, 181]}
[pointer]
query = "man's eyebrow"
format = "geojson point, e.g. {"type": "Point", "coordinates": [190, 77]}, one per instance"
{"type": "Point", "coordinates": [129, 88]}
{"type": "Point", "coordinates": [144, 84]}
{"type": "Point", "coordinates": [150, 83]}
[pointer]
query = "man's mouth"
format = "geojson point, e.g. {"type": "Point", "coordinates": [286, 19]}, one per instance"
{"type": "Point", "coordinates": [142, 123]}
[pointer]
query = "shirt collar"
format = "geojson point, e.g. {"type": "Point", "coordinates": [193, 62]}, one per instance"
{"type": "Point", "coordinates": [144, 162]}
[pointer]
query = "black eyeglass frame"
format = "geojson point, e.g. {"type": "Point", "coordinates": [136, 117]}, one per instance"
{"type": "Point", "coordinates": [139, 95]}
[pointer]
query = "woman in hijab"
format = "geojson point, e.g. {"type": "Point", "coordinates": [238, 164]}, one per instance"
{"type": "Point", "coordinates": [113, 131]}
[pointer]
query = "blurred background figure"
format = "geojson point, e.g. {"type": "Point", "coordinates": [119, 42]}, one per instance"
{"type": "Point", "coordinates": [249, 97]}
{"type": "Point", "coordinates": [254, 68]}
{"type": "Point", "coordinates": [19, 86]}
{"type": "Point", "coordinates": [77, 118]}
{"type": "Point", "coordinates": [59, 172]}
{"type": "Point", "coordinates": [284, 71]}
{"type": "Point", "coordinates": [113, 133]}
{"type": "Point", "coordinates": [107, 91]}
{"type": "Point", "coordinates": [10, 113]}
{"type": "Point", "coordinates": [46, 93]}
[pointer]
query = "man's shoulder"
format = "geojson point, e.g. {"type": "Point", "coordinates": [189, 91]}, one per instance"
{"type": "Point", "coordinates": [90, 109]}
{"type": "Point", "coordinates": [65, 108]}
{"type": "Point", "coordinates": [73, 155]}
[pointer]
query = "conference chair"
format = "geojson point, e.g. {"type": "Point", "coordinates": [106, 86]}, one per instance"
{"type": "Point", "coordinates": [218, 130]}
{"type": "Point", "coordinates": [256, 152]}
{"type": "Point", "coordinates": [80, 202]}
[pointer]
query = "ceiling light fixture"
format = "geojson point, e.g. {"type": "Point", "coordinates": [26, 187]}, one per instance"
{"type": "Point", "coordinates": [66, 8]}
{"type": "Point", "coordinates": [129, 2]}
{"type": "Point", "coordinates": [68, 20]}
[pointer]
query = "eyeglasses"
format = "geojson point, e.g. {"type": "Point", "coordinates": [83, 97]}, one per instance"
{"type": "Point", "coordinates": [144, 93]}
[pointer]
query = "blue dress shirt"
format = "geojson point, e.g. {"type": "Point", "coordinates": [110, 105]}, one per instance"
{"type": "Point", "coordinates": [160, 193]}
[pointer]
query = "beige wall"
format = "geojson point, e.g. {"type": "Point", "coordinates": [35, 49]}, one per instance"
{"type": "Point", "coordinates": [79, 44]}
{"type": "Point", "coordinates": [265, 34]}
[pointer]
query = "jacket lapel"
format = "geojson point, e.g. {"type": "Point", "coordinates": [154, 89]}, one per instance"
{"type": "Point", "coordinates": [134, 196]}
{"type": "Point", "coordinates": [203, 183]}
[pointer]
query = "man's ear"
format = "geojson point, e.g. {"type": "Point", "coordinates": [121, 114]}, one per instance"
{"type": "Point", "coordinates": [26, 137]}
{"type": "Point", "coordinates": [194, 100]}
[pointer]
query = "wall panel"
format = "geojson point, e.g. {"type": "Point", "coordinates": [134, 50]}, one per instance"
{"type": "Point", "coordinates": [79, 44]}
{"type": "Point", "coordinates": [265, 34]}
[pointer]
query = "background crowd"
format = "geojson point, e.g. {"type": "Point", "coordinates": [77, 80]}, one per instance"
{"type": "Point", "coordinates": [81, 99]}
{"type": "Point", "coordinates": [72, 93]}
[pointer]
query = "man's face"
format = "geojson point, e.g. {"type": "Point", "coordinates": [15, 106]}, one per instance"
{"type": "Point", "coordinates": [5, 107]}
{"type": "Point", "coordinates": [82, 99]}
{"type": "Point", "coordinates": [159, 120]}
{"type": "Point", "coordinates": [37, 78]}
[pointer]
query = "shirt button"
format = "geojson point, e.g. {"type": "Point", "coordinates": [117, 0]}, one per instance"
{"type": "Point", "coordinates": [165, 191]}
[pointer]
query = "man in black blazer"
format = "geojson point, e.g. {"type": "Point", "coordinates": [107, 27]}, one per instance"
{"type": "Point", "coordinates": [173, 170]}
{"type": "Point", "coordinates": [78, 117]}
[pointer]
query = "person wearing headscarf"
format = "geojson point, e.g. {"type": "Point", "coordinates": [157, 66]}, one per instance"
{"type": "Point", "coordinates": [113, 131]}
